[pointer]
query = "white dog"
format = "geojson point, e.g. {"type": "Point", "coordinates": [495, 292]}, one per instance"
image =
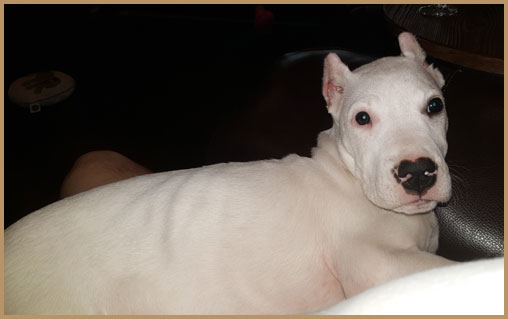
{"type": "Point", "coordinates": [286, 236]}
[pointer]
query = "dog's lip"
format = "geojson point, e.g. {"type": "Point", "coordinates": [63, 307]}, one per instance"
{"type": "Point", "coordinates": [417, 206]}
{"type": "Point", "coordinates": [419, 202]}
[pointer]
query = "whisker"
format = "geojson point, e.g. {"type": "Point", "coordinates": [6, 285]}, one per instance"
{"type": "Point", "coordinates": [458, 174]}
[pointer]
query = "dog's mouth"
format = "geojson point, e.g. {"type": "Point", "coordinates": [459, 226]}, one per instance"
{"type": "Point", "coordinates": [417, 206]}
{"type": "Point", "coordinates": [419, 202]}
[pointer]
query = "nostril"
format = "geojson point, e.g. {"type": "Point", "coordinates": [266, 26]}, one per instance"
{"type": "Point", "coordinates": [418, 176]}
{"type": "Point", "coordinates": [422, 166]}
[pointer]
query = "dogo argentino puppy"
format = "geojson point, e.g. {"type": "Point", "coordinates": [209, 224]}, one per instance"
{"type": "Point", "coordinates": [270, 237]}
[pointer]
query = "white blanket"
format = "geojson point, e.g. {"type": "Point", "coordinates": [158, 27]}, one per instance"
{"type": "Point", "coordinates": [470, 288]}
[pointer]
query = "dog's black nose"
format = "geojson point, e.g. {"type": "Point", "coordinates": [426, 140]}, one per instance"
{"type": "Point", "coordinates": [418, 176]}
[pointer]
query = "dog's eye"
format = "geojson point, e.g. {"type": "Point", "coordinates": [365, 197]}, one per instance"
{"type": "Point", "coordinates": [435, 106]}
{"type": "Point", "coordinates": [362, 118]}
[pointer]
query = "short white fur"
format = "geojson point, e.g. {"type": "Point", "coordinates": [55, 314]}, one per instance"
{"type": "Point", "coordinates": [286, 236]}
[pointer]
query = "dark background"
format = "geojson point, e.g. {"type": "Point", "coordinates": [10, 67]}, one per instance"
{"type": "Point", "coordinates": [153, 82]}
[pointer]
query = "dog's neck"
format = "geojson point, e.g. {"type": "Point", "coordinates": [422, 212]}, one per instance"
{"type": "Point", "coordinates": [327, 152]}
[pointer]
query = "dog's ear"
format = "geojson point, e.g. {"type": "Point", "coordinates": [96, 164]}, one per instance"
{"type": "Point", "coordinates": [410, 48]}
{"type": "Point", "coordinates": [335, 77]}
{"type": "Point", "coordinates": [436, 74]}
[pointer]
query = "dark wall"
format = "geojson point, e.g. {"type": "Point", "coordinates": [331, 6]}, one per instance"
{"type": "Point", "coordinates": [153, 82]}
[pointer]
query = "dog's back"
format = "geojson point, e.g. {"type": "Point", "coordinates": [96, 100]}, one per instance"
{"type": "Point", "coordinates": [146, 245]}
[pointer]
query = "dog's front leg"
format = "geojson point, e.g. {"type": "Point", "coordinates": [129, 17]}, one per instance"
{"type": "Point", "coordinates": [378, 266]}
{"type": "Point", "coordinates": [413, 260]}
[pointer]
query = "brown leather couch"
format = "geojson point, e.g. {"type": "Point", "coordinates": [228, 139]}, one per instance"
{"type": "Point", "coordinates": [288, 114]}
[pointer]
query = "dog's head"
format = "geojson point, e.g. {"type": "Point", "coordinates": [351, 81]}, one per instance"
{"type": "Point", "coordinates": [390, 127]}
